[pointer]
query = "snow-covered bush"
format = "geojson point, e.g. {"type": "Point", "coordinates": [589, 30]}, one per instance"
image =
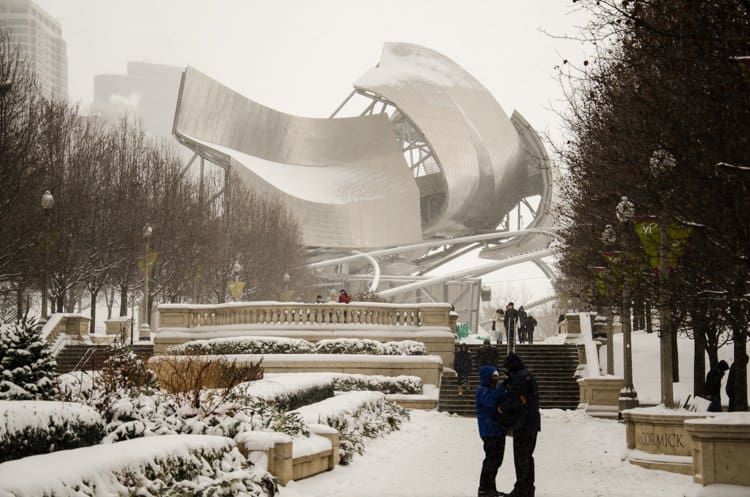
{"type": "Point", "coordinates": [191, 375]}
{"type": "Point", "coordinates": [286, 397]}
{"type": "Point", "coordinates": [245, 345]}
{"type": "Point", "coordinates": [123, 369]}
{"type": "Point", "coordinates": [386, 384]}
{"type": "Point", "coordinates": [357, 416]}
{"type": "Point", "coordinates": [38, 427]}
{"type": "Point", "coordinates": [405, 347]}
{"type": "Point", "coordinates": [27, 368]}
{"type": "Point", "coordinates": [163, 466]}
{"type": "Point", "coordinates": [281, 345]}
{"type": "Point", "coordinates": [350, 346]}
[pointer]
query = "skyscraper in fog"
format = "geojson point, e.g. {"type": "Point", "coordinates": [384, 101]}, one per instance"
{"type": "Point", "coordinates": [39, 37]}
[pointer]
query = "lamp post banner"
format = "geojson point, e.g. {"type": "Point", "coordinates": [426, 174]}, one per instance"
{"type": "Point", "coordinates": [649, 235]}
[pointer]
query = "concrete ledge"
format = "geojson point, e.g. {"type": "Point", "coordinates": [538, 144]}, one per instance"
{"type": "Point", "coordinates": [721, 449]}
{"type": "Point", "coordinates": [428, 400]}
{"type": "Point", "coordinates": [658, 439]}
{"type": "Point", "coordinates": [600, 396]}
{"type": "Point", "coordinates": [426, 367]}
{"type": "Point", "coordinates": [438, 340]}
{"type": "Point", "coordinates": [278, 450]}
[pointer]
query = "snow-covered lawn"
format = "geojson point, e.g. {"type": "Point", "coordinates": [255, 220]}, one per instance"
{"type": "Point", "coordinates": [438, 455]}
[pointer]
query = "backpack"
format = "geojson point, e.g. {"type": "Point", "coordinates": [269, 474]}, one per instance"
{"type": "Point", "coordinates": [520, 400]}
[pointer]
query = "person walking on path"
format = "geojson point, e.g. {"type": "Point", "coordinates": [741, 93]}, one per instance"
{"type": "Point", "coordinates": [510, 321]}
{"type": "Point", "coordinates": [462, 365]}
{"type": "Point", "coordinates": [730, 385]}
{"type": "Point", "coordinates": [530, 325]}
{"type": "Point", "coordinates": [519, 412]}
{"type": "Point", "coordinates": [522, 325]}
{"type": "Point", "coordinates": [713, 385]}
{"type": "Point", "coordinates": [498, 326]}
{"type": "Point", "coordinates": [487, 355]}
{"type": "Point", "coordinates": [489, 395]}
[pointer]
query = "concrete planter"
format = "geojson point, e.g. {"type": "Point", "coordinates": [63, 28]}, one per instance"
{"type": "Point", "coordinates": [657, 439]}
{"type": "Point", "coordinates": [721, 449]}
{"type": "Point", "coordinates": [600, 396]}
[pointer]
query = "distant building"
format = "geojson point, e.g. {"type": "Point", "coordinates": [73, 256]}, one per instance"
{"type": "Point", "coordinates": [39, 37]}
{"type": "Point", "coordinates": [147, 93]}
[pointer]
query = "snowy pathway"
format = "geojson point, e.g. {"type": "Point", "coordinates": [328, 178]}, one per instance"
{"type": "Point", "coordinates": [437, 455]}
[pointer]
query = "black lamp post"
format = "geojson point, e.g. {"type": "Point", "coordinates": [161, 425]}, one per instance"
{"type": "Point", "coordinates": [144, 332]}
{"type": "Point", "coordinates": [47, 202]}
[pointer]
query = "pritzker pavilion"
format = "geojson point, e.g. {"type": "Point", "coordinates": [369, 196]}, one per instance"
{"type": "Point", "coordinates": [428, 168]}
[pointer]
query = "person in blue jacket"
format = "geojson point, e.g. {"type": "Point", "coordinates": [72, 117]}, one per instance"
{"type": "Point", "coordinates": [489, 395]}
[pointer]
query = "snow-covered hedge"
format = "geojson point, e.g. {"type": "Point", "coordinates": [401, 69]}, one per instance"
{"type": "Point", "coordinates": [158, 466]}
{"type": "Point", "coordinates": [245, 345]}
{"type": "Point", "coordinates": [37, 427]}
{"type": "Point", "coordinates": [386, 384]}
{"type": "Point", "coordinates": [289, 391]}
{"type": "Point", "coordinates": [281, 345]}
{"type": "Point", "coordinates": [357, 416]}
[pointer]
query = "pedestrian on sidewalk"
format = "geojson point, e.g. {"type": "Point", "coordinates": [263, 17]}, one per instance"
{"type": "Point", "coordinates": [489, 395]}
{"type": "Point", "coordinates": [713, 385]}
{"type": "Point", "coordinates": [487, 355]}
{"type": "Point", "coordinates": [510, 321]}
{"type": "Point", "coordinates": [519, 412]}
{"type": "Point", "coordinates": [462, 365]}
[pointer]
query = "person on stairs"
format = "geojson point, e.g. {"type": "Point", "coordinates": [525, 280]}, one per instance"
{"type": "Point", "coordinates": [487, 355]}
{"type": "Point", "coordinates": [462, 365]}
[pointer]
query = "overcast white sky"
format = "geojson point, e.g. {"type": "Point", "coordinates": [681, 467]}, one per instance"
{"type": "Point", "coordinates": [301, 56]}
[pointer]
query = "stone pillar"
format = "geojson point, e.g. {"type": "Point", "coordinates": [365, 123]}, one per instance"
{"type": "Point", "coordinates": [721, 450]}
{"type": "Point", "coordinates": [573, 325]}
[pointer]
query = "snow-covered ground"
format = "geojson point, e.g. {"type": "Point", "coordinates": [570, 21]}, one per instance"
{"type": "Point", "coordinates": [438, 455]}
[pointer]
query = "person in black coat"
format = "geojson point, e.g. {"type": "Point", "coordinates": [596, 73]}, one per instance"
{"type": "Point", "coordinates": [713, 386]}
{"type": "Point", "coordinates": [530, 325]}
{"type": "Point", "coordinates": [730, 385]}
{"type": "Point", "coordinates": [522, 330]}
{"type": "Point", "coordinates": [462, 365]}
{"type": "Point", "coordinates": [519, 411]}
{"type": "Point", "coordinates": [487, 355]}
{"type": "Point", "coordinates": [510, 320]}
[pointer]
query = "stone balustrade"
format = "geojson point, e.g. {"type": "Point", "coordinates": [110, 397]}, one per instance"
{"type": "Point", "coordinates": [74, 326]}
{"type": "Point", "coordinates": [426, 323]}
{"type": "Point", "coordinates": [303, 314]}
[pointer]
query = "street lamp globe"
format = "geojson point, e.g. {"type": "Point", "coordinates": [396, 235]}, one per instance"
{"type": "Point", "coordinates": [236, 268]}
{"type": "Point", "coordinates": [625, 210]}
{"type": "Point", "coordinates": [661, 163]}
{"type": "Point", "coordinates": [609, 235]}
{"type": "Point", "coordinates": [47, 200]}
{"type": "Point", "coordinates": [147, 231]}
{"type": "Point", "coordinates": [286, 277]}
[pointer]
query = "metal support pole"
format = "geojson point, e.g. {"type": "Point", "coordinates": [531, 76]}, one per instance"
{"type": "Point", "coordinates": [628, 395]}
{"type": "Point", "coordinates": [45, 271]}
{"type": "Point", "coordinates": [610, 347]}
{"type": "Point", "coordinates": [665, 318]}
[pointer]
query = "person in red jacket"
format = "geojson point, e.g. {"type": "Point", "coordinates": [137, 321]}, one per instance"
{"type": "Point", "coordinates": [344, 298]}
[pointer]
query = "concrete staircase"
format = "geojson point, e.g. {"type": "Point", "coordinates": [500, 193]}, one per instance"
{"type": "Point", "coordinates": [85, 356]}
{"type": "Point", "coordinates": [552, 365]}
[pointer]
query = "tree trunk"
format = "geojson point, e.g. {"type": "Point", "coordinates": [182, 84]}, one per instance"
{"type": "Point", "coordinates": [740, 368]}
{"type": "Point", "coordinates": [92, 324]}
{"type": "Point", "coordinates": [700, 325]}
{"type": "Point", "coordinates": [109, 298]}
{"type": "Point", "coordinates": [61, 302]}
{"type": "Point", "coordinates": [675, 353]}
{"type": "Point", "coordinates": [19, 302]}
{"type": "Point", "coordinates": [123, 300]}
{"type": "Point", "coordinates": [649, 322]}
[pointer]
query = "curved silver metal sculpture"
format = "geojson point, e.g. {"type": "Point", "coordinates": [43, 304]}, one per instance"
{"type": "Point", "coordinates": [479, 155]}
{"type": "Point", "coordinates": [350, 181]}
{"type": "Point", "coordinates": [344, 179]}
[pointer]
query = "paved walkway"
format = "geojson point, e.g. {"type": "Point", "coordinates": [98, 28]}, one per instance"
{"type": "Point", "coordinates": [437, 455]}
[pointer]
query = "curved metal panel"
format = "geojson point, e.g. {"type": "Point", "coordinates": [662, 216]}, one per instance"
{"type": "Point", "coordinates": [478, 148]}
{"type": "Point", "coordinates": [344, 179]}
